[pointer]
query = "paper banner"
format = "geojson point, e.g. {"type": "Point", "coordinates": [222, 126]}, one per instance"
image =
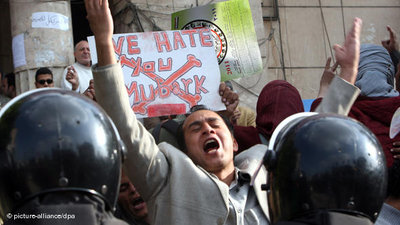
{"type": "Point", "coordinates": [168, 72]}
{"type": "Point", "coordinates": [18, 49]}
{"type": "Point", "coordinates": [50, 20]}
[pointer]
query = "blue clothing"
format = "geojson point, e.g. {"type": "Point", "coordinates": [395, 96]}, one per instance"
{"type": "Point", "coordinates": [375, 76]}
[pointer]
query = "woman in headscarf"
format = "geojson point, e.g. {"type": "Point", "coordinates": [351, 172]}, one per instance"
{"type": "Point", "coordinates": [278, 100]}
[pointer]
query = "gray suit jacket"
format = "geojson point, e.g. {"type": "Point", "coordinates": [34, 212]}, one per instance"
{"type": "Point", "coordinates": [175, 189]}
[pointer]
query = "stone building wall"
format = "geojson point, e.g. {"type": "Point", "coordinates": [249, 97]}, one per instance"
{"type": "Point", "coordinates": [302, 38]}
{"type": "Point", "coordinates": [295, 36]}
{"type": "Point", "coordinates": [152, 15]}
{"type": "Point", "coordinates": [294, 47]}
{"type": "Point", "coordinates": [46, 29]}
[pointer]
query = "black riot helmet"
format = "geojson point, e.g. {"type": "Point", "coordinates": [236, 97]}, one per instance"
{"type": "Point", "coordinates": [54, 140]}
{"type": "Point", "coordinates": [324, 162]}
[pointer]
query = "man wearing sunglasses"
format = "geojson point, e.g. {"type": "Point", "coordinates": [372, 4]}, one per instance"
{"type": "Point", "coordinates": [44, 78]}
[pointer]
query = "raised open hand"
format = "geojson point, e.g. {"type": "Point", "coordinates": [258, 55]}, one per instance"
{"type": "Point", "coordinates": [72, 77]}
{"type": "Point", "coordinates": [101, 24]}
{"type": "Point", "coordinates": [327, 76]}
{"type": "Point", "coordinates": [348, 55]}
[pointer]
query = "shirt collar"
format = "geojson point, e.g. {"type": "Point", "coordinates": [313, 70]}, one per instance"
{"type": "Point", "coordinates": [241, 177]}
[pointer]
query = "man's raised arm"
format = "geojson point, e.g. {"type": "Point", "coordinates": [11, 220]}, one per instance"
{"type": "Point", "coordinates": [101, 24]}
{"type": "Point", "coordinates": [341, 95]}
{"type": "Point", "coordinates": [111, 94]}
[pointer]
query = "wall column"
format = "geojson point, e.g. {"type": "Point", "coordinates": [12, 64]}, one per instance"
{"type": "Point", "coordinates": [42, 37]}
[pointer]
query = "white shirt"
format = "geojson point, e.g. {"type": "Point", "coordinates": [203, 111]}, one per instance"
{"type": "Point", "coordinates": [244, 208]}
{"type": "Point", "coordinates": [84, 75]}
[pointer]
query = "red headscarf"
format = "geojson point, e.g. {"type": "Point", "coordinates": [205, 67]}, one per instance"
{"type": "Point", "coordinates": [278, 100]}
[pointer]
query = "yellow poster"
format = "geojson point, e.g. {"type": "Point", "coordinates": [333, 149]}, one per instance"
{"type": "Point", "coordinates": [234, 36]}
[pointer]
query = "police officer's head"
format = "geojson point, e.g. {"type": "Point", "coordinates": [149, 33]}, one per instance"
{"type": "Point", "coordinates": [325, 162]}
{"type": "Point", "coordinates": [55, 141]}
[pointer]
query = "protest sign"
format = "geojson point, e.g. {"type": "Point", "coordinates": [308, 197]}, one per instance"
{"type": "Point", "coordinates": [233, 32]}
{"type": "Point", "coordinates": [167, 72]}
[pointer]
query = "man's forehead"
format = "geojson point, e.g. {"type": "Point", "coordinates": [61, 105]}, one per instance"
{"type": "Point", "coordinates": [201, 115]}
{"type": "Point", "coordinates": [45, 75]}
{"type": "Point", "coordinates": [82, 44]}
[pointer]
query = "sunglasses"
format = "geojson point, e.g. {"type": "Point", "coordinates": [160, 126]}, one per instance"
{"type": "Point", "coordinates": [49, 81]}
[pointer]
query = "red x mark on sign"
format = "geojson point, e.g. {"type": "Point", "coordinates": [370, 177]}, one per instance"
{"type": "Point", "coordinates": [168, 84]}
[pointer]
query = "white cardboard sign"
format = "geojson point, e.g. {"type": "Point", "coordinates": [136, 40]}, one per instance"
{"type": "Point", "coordinates": [168, 72]}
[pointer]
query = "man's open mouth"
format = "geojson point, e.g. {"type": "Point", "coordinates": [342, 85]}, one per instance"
{"type": "Point", "coordinates": [210, 145]}
{"type": "Point", "coordinates": [137, 202]}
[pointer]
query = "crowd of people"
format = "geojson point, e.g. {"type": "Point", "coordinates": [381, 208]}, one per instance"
{"type": "Point", "coordinates": [205, 167]}
{"type": "Point", "coordinates": [77, 77]}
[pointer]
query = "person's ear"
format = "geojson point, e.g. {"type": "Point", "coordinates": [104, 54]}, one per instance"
{"type": "Point", "coordinates": [235, 145]}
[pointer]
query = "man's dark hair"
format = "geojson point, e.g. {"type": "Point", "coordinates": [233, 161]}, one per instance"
{"type": "Point", "coordinates": [10, 79]}
{"type": "Point", "coordinates": [43, 70]}
{"type": "Point", "coordinates": [180, 135]}
{"type": "Point", "coordinates": [393, 189]}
